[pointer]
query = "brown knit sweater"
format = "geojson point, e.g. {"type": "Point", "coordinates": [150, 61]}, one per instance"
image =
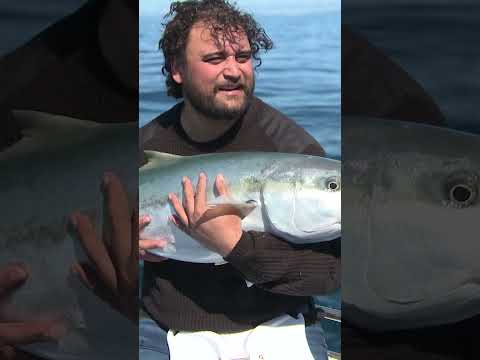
{"type": "Point", "coordinates": [186, 296]}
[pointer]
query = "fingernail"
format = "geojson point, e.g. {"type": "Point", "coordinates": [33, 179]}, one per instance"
{"type": "Point", "coordinates": [184, 179]}
{"type": "Point", "coordinates": [220, 177]}
{"type": "Point", "coordinates": [54, 331]}
{"type": "Point", "coordinates": [72, 223]}
{"type": "Point", "coordinates": [17, 274]}
{"type": "Point", "coordinates": [170, 196]}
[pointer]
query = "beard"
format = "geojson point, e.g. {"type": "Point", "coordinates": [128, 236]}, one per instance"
{"type": "Point", "coordinates": [209, 105]}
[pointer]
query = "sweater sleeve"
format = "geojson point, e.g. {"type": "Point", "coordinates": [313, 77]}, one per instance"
{"type": "Point", "coordinates": [281, 267]}
{"type": "Point", "coordinates": [278, 266]}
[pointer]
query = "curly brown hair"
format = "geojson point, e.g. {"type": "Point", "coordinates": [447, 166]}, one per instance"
{"type": "Point", "coordinates": [222, 19]}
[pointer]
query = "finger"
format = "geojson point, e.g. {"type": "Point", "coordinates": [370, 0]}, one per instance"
{"type": "Point", "coordinates": [147, 256]}
{"type": "Point", "coordinates": [135, 236]}
{"type": "Point", "coordinates": [221, 186]}
{"type": "Point", "coordinates": [179, 209]}
{"type": "Point", "coordinates": [79, 271]}
{"type": "Point", "coordinates": [11, 276]}
{"type": "Point", "coordinates": [119, 216]}
{"type": "Point", "coordinates": [148, 244]}
{"type": "Point", "coordinates": [7, 353]}
{"type": "Point", "coordinates": [201, 195]}
{"type": "Point", "coordinates": [143, 221]}
{"type": "Point", "coordinates": [95, 250]}
{"type": "Point", "coordinates": [178, 223]}
{"type": "Point", "coordinates": [188, 198]}
{"type": "Point", "coordinates": [24, 333]}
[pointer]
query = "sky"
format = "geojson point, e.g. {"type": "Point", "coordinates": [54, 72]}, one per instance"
{"type": "Point", "coordinates": [266, 7]}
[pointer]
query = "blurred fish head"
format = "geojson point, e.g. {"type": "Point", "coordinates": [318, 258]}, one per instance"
{"type": "Point", "coordinates": [304, 201]}
{"type": "Point", "coordinates": [413, 217]}
{"type": "Point", "coordinates": [425, 209]}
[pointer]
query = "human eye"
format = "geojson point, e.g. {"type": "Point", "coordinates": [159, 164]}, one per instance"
{"type": "Point", "coordinates": [214, 59]}
{"type": "Point", "coordinates": [244, 57]}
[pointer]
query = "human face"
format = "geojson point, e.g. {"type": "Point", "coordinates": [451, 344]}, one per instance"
{"type": "Point", "coordinates": [217, 76]}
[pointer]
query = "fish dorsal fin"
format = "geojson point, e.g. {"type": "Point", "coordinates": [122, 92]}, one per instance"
{"type": "Point", "coordinates": [157, 159]}
{"type": "Point", "coordinates": [33, 123]}
{"type": "Point", "coordinates": [42, 131]}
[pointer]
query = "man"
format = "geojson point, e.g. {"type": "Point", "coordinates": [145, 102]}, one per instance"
{"type": "Point", "coordinates": [209, 48]}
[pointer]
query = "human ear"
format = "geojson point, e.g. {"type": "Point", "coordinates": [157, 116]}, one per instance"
{"type": "Point", "coordinates": [177, 71]}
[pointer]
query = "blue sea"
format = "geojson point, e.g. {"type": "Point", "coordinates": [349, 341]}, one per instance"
{"type": "Point", "coordinates": [434, 42]}
{"type": "Point", "coordinates": [300, 77]}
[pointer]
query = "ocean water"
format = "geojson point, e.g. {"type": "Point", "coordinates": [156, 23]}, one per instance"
{"type": "Point", "coordinates": [300, 77]}
{"type": "Point", "coordinates": [434, 42]}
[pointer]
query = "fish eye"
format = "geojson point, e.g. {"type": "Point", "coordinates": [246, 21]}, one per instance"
{"type": "Point", "coordinates": [462, 191]}
{"type": "Point", "coordinates": [462, 194]}
{"type": "Point", "coordinates": [333, 184]}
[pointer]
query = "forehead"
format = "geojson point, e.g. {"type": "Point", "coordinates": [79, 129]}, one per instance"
{"type": "Point", "coordinates": [201, 40]}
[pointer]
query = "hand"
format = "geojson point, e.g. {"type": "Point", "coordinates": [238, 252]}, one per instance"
{"type": "Point", "coordinates": [114, 275]}
{"type": "Point", "coordinates": [219, 232]}
{"type": "Point", "coordinates": [147, 244]}
{"type": "Point", "coordinates": [16, 333]}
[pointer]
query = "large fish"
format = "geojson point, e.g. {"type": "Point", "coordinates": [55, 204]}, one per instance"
{"type": "Point", "coordinates": [296, 197]}
{"type": "Point", "coordinates": [54, 170]}
{"type": "Point", "coordinates": [411, 211]}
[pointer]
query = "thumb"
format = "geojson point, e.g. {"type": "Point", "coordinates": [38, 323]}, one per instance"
{"type": "Point", "coordinates": [11, 276]}
{"type": "Point", "coordinates": [143, 221]}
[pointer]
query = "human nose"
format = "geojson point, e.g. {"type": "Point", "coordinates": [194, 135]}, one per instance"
{"type": "Point", "coordinates": [232, 69]}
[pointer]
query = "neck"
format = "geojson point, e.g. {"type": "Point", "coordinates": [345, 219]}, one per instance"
{"type": "Point", "coordinates": [201, 128]}
{"type": "Point", "coordinates": [117, 33]}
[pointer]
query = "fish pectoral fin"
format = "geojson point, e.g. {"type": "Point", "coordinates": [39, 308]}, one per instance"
{"type": "Point", "coordinates": [225, 205]}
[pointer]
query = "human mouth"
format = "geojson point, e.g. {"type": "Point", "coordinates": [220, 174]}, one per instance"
{"type": "Point", "coordinates": [231, 89]}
